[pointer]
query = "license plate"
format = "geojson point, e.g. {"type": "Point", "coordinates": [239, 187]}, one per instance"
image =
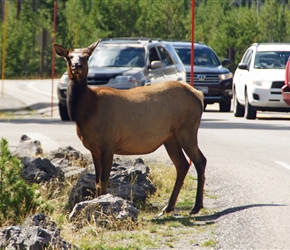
{"type": "Point", "coordinates": [204, 90]}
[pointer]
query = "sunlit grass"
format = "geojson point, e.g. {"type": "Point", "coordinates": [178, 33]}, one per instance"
{"type": "Point", "coordinates": [150, 231]}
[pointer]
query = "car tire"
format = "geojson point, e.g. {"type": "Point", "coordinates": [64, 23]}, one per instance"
{"type": "Point", "coordinates": [250, 112]}
{"type": "Point", "coordinates": [239, 109]}
{"type": "Point", "coordinates": [63, 112]}
{"type": "Point", "coordinates": [225, 106]}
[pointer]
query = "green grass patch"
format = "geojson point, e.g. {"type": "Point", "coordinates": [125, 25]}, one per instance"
{"type": "Point", "coordinates": [175, 230]}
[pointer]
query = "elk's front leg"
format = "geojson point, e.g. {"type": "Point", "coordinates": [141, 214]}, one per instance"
{"type": "Point", "coordinates": [98, 171]}
{"type": "Point", "coordinates": [106, 161]}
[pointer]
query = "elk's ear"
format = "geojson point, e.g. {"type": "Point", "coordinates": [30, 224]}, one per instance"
{"type": "Point", "coordinates": [61, 51]}
{"type": "Point", "coordinates": [92, 47]}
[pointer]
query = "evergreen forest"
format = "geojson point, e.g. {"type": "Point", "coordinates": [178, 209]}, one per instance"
{"type": "Point", "coordinates": [228, 26]}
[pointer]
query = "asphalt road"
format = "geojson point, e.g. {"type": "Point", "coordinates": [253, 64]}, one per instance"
{"type": "Point", "coordinates": [248, 170]}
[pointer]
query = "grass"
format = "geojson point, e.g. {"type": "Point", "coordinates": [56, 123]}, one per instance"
{"type": "Point", "coordinates": [22, 113]}
{"type": "Point", "coordinates": [174, 230]}
{"type": "Point", "coordinates": [169, 231]}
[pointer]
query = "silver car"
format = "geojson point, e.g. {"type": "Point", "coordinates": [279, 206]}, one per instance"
{"type": "Point", "coordinates": [125, 63]}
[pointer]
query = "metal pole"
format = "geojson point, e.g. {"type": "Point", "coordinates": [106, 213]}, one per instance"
{"type": "Point", "coordinates": [53, 54]}
{"type": "Point", "coordinates": [4, 45]}
{"type": "Point", "coordinates": [192, 51]}
{"type": "Point", "coordinates": [192, 44]}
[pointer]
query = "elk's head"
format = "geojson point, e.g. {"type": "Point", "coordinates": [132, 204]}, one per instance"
{"type": "Point", "coordinates": [77, 60]}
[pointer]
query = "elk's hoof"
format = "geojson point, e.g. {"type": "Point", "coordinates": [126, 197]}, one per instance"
{"type": "Point", "coordinates": [195, 210]}
{"type": "Point", "coordinates": [165, 210]}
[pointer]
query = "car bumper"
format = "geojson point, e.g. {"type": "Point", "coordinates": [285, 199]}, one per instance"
{"type": "Point", "coordinates": [286, 94]}
{"type": "Point", "coordinates": [61, 94]}
{"type": "Point", "coordinates": [216, 92]}
{"type": "Point", "coordinates": [266, 98]}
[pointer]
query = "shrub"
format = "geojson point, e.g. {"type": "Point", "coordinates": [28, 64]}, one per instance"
{"type": "Point", "coordinates": [17, 198]}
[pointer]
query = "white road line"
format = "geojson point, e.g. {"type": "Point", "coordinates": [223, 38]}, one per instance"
{"type": "Point", "coordinates": [35, 89]}
{"type": "Point", "coordinates": [283, 164]}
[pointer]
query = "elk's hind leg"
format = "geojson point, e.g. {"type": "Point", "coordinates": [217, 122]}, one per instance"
{"type": "Point", "coordinates": [199, 161]}
{"type": "Point", "coordinates": [181, 164]}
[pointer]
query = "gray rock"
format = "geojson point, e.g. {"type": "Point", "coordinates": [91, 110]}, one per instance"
{"type": "Point", "coordinates": [28, 147]}
{"type": "Point", "coordinates": [68, 156]}
{"type": "Point", "coordinates": [83, 190]}
{"type": "Point", "coordinates": [128, 180]}
{"type": "Point", "coordinates": [107, 207]}
{"type": "Point", "coordinates": [72, 162]}
{"type": "Point", "coordinates": [37, 233]}
{"type": "Point", "coordinates": [40, 170]}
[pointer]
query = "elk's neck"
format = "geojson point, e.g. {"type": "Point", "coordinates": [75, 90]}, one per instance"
{"type": "Point", "coordinates": [75, 94]}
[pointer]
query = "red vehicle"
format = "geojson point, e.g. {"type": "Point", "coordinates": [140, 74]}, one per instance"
{"type": "Point", "coordinates": [286, 87]}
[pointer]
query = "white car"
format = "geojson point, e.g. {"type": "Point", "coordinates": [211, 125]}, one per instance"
{"type": "Point", "coordinates": [259, 78]}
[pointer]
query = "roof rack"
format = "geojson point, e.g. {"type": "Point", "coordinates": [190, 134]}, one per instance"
{"type": "Point", "coordinates": [182, 41]}
{"type": "Point", "coordinates": [138, 39]}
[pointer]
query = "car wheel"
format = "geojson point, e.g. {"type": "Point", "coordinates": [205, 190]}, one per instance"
{"type": "Point", "coordinates": [239, 110]}
{"type": "Point", "coordinates": [250, 112]}
{"type": "Point", "coordinates": [225, 106]}
{"type": "Point", "coordinates": [63, 112]}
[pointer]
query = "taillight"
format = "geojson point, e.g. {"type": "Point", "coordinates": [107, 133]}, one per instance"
{"type": "Point", "coordinates": [287, 72]}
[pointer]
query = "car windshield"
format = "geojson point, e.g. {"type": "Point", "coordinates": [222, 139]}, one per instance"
{"type": "Point", "coordinates": [117, 57]}
{"type": "Point", "coordinates": [202, 57]}
{"type": "Point", "coordinates": [271, 59]}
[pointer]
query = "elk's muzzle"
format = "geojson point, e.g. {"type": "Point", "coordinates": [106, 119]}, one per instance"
{"type": "Point", "coordinates": [76, 68]}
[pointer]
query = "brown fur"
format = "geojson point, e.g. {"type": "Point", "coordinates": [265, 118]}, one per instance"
{"type": "Point", "coordinates": [135, 121]}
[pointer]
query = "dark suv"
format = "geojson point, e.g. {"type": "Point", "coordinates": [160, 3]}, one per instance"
{"type": "Point", "coordinates": [210, 75]}
{"type": "Point", "coordinates": [125, 63]}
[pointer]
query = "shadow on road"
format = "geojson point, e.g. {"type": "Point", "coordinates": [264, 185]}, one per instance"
{"type": "Point", "coordinates": [233, 210]}
{"type": "Point", "coordinates": [42, 120]}
{"type": "Point", "coordinates": [225, 124]}
{"type": "Point", "coordinates": [36, 113]}
{"type": "Point", "coordinates": [208, 219]}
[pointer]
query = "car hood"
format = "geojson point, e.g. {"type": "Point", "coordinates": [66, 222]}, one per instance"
{"type": "Point", "coordinates": [212, 70]}
{"type": "Point", "coordinates": [269, 74]}
{"type": "Point", "coordinates": [113, 71]}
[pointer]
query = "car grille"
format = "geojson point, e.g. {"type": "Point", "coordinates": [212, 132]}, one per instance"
{"type": "Point", "coordinates": [98, 81]}
{"type": "Point", "coordinates": [205, 79]}
{"type": "Point", "coordinates": [277, 84]}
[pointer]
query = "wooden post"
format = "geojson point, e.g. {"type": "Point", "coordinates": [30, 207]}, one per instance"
{"type": "Point", "coordinates": [53, 54]}
{"type": "Point", "coordinates": [4, 45]}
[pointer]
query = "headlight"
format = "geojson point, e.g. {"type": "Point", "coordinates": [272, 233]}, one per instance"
{"type": "Point", "coordinates": [64, 79]}
{"type": "Point", "coordinates": [226, 76]}
{"type": "Point", "coordinates": [262, 82]}
{"type": "Point", "coordinates": [131, 80]}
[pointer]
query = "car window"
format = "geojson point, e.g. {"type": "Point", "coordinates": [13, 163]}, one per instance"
{"type": "Point", "coordinates": [202, 56]}
{"type": "Point", "coordinates": [271, 59]}
{"type": "Point", "coordinates": [205, 57]}
{"type": "Point", "coordinates": [247, 57]}
{"type": "Point", "coordinates": [117, 57]}
{"type": "Point", "coordinates": [165, 57]}
{"type": "Point", "coordinates": [184, 54]}
{"type": "Point", "coordinates": [153, 55]}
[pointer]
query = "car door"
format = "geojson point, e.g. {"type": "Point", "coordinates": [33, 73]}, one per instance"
{"type": "Point", "coordinates": [167, 62]}
{"type": "Point", "coordinates": [155, 74]}
{"type": "Point", "coordinates": [242, 75]}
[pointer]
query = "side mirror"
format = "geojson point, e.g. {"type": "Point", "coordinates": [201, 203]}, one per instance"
{"type": "Point", "coordinates": [243, 66]}
{"type": "Point", "coordinates": [156, 65]}
{"type": "Point", "coordinates": [226, 62]}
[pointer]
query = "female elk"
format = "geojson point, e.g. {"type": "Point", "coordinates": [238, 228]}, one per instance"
{"type": "Point", "coordinates": [135, 121]}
